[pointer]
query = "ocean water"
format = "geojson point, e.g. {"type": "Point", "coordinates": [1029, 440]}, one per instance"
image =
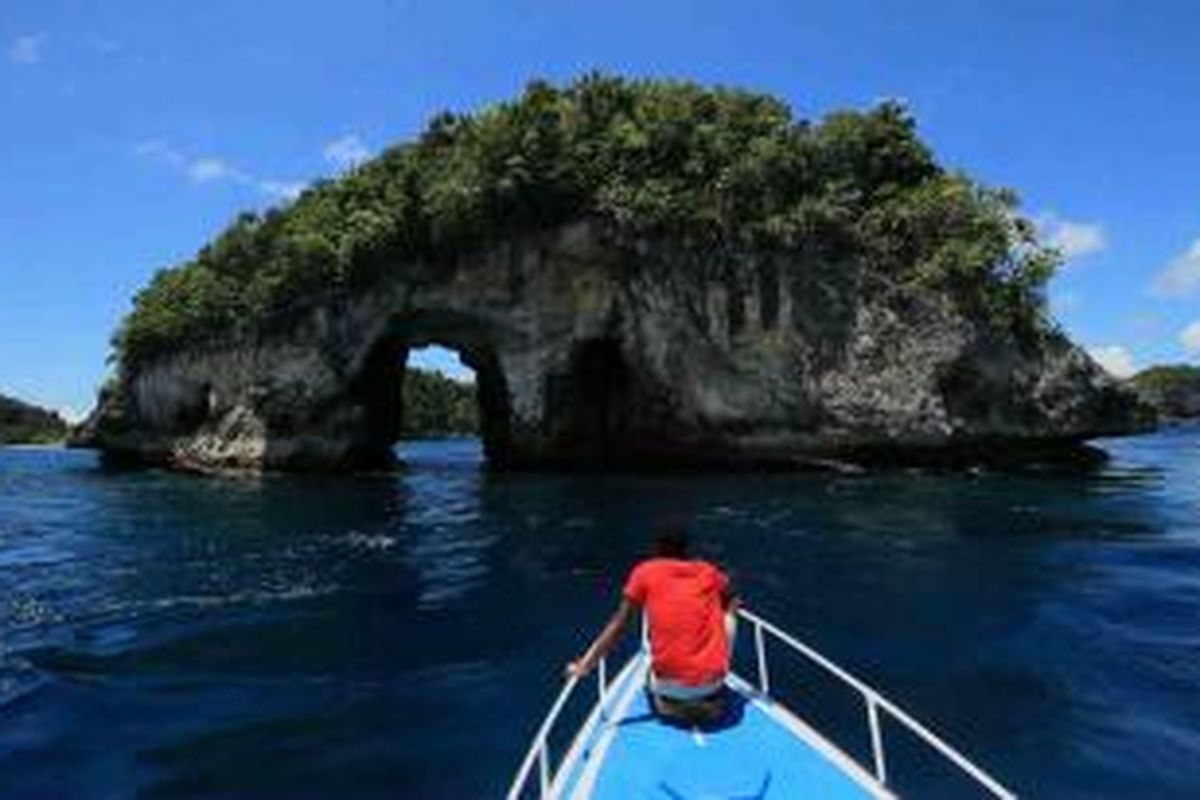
{"type": "Point", "coordinates": [167, 636]}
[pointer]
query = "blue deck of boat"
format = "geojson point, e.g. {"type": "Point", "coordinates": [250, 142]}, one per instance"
{"type": "Point", "coordinates": [751, 755]}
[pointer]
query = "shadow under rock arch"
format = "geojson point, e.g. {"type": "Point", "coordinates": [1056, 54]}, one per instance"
{"type": "Point", "coordinates": [378, 388]}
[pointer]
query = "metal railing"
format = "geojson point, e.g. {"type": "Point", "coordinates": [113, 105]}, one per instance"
{"type": "Point", "coordinates": [875, 704]}
{"type": "Point", "coordinates": [539, 749]}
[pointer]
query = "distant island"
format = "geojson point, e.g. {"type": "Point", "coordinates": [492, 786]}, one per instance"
{"type": "Point", "coordinates": [436, 406]}
{"type": "Point", "coordinates": [22, 423]}
{"type": "Point", "coordinates": [641, 273]}
{"type": "Point", "coordinates": [1173, 390]}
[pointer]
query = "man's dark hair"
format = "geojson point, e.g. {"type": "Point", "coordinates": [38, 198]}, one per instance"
{"type": "Point", "coordinates": [671, 542]}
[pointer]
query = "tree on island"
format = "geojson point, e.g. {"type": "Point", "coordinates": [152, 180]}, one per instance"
{"type": "Point", "coordinates": [22, 423]}
{"type": "Point", "coordinates": [1174, 390]}
{"type": "Point", "coordinates": [714, 168]}
{"type": "Point", "coordinates": [435, 405]}
{"type": "Point", "coordinates": [643, 271]}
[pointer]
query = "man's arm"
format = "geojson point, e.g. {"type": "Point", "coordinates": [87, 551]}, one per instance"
{"type": "Point", "coordinates": [730, 601]}
{"type": "Point", "coordinates": [604, 642]}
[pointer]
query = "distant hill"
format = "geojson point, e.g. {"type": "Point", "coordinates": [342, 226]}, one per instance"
{"type": "Point", "coordinates": [21, 423]}
{"type": "Point", "coordinates": [1172, 389]}
{"type": "Point", "coordinates": [435, 405]}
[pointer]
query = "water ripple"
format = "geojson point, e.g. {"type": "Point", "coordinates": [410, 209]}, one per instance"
{"type": "Point", "coordinates": [283, 637]}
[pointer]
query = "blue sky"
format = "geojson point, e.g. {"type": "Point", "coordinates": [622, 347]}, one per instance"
{"type": "Point", "coordinates": [132, 131]}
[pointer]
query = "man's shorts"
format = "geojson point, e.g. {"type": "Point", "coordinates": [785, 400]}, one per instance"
{"type": "Point", "coordinates": [673, 690]}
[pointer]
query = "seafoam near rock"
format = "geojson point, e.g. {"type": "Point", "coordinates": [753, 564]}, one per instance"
{"type": "Point", "coordinates": [590, 350]}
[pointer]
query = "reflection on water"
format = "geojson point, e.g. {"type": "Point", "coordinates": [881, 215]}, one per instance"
{"type": "Point", "coordinates": [177, 637]}
{"type": "Point", "coordinates": [446, 542]}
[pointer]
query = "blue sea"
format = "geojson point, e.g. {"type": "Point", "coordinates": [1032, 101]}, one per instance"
{"type": "Point", "coordinates": [401, 636]}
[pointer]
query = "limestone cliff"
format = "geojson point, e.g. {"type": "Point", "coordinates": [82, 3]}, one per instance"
{"type": "Point", "coordinates": [640, 272]}
{"type": "Point", "coordinates": [591, 347]}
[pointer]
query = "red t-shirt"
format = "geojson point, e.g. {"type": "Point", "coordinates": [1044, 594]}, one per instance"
{"type": "Point", "coordinates": [684, 601]}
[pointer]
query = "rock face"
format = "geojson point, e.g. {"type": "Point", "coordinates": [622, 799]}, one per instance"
{"type": "Point", "coordinates": [592, 351]}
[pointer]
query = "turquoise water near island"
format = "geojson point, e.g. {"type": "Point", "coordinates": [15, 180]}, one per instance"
{"type": "Point", "coordinates": [168, 636]}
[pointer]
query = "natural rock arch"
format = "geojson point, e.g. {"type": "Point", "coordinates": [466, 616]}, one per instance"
{"type": "Point", "coordinates": [645, 273]}
{"type": "Point", "coordinates": [378, 388]}
{"type": "Point", "coordinates": [591, 352]}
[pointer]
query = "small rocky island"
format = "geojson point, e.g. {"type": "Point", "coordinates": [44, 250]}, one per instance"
{"type": "Point", "coordinates": [22, 423]}
{"type": "Point", "coordinates": [640, 273]}
{"type": "Point", "coordinates": [1173, 390]}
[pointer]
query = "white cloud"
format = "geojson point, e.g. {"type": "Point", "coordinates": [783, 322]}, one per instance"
{"type": "Point", "coordinates": [157, 150]}
{"type": "Point", "coordinates": [210, 169]}
{"type": "Point", "coordinates": [204, 170]}
{"type": "Point", "coordinates": [27, 49]}
{"type": "Point", "coordinates": [1117, 360]}
{"type": "Point", "coordinates": [1189, 337]}
{"type": "Point", "coordinates": [72, 416]}
{"type": "Point", "coordinates": [1070, 237]}
{"type": "Point", "coordinates": [1182, 276]}
{"type": "Point", "coordinates": [346, 152]}
{"type": "Point", "coordinates": [284, 190]}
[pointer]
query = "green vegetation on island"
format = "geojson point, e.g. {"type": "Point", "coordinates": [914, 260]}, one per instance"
{"type": "Point", "coordinates": [713, 168]}
{"type": "Point", "coordinates": [21, 423]}
{"type": "Point", "coordinates": [435, 405]}
{"type": "Point", "coordinates": [1174, 390]}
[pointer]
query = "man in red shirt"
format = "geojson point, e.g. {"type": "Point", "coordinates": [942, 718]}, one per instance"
{"type": "Point", "coordinates": [690, 609]}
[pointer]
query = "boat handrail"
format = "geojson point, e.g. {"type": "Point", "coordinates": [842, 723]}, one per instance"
{"type": "Point", "coordinates": [875, 702]}
{"type": "Point", "coordinates": [539, 749]}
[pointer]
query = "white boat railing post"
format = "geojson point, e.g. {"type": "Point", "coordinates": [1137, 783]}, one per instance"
{"type": "Point", "coordinates": [875, 704]}
{"type": "Point", "coordinates": [543, 769]}
{"type": "Point", "coordinates": [538, 750]}
{"type": "Point", "coordinates": [876, 739]}
{"type": "Point", "coordinates": [760, 648]}
{"type": "Point", "coordinates": [538, 756]}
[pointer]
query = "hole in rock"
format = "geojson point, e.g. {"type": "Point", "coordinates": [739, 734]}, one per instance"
{"type": "Point", "coordinates": [440, 407]}
{"type": "Point", "coordinates": [424, 382]}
